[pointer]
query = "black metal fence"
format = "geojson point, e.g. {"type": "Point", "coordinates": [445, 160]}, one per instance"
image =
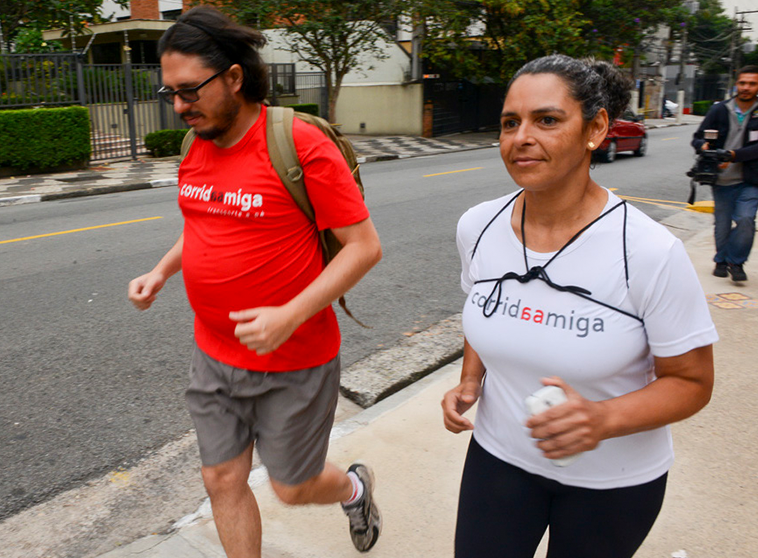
{"type": "Point", "coordinates": [462, 106]}
{"type": "Point", "coordinates": [122, 99]}
{"type": "Point", "coordinates": [30, 80]}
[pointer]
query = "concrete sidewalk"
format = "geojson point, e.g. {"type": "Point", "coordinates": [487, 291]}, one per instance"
{"type": "Point", "coordinates": [712, 498]}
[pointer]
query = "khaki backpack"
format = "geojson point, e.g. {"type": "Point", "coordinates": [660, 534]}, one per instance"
{"type": "Point", "coordinates": [281, 151]}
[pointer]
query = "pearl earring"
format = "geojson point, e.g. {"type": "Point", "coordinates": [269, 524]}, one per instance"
{"type": "Point", "coordinates": [591, 145]}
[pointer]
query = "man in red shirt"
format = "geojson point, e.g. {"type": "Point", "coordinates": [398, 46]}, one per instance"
{"type": "Point", "coordinates": [266, 365]}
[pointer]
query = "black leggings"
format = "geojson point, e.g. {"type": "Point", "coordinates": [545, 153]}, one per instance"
{"type": "Point", "coordinates": [503, 512]}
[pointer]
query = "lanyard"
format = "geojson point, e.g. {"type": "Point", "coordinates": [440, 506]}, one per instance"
{"type": "Point", "coordinates": [539, 273]}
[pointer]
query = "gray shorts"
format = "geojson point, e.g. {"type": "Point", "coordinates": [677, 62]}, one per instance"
{"type": "Point", "coordinates": [288, 415]}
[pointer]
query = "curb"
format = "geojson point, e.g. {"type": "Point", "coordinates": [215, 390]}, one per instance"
{"type": "Point", "coordinates": [668, 125]}
{"type": "Point", "coordinates": [19, 200]}
{"type": "Point", "coordinates": [90, 191]}
{"type": "Point", "coordinates": [383, 373]}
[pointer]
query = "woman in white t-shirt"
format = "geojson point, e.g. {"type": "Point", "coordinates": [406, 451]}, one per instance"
{"type": "Point", "coordinates": [568, 286]}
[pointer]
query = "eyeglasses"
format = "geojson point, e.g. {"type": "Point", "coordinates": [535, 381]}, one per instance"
{"type": "Point", "coordinates": [188, 95]}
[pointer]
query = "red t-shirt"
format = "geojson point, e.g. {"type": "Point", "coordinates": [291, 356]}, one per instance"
{"type": "Point", "coordinates": [247, 244]}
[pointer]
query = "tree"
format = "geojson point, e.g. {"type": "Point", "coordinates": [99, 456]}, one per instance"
{"type": "Point", "coordinates": [30, 41]}
{"type": "Point", "coordinates": [710, 36]}
{"type": "Point", "coordinates": [71, 15]}
{"type": "Point", "coordinates": [335, 36]}
{"type": "Point", "coordinates": [624, 27]}
{"type": "Point", "coordinates": [493, 38]}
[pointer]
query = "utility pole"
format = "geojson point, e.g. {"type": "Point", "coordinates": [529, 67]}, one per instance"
{"type": "Point", "coordinates": [692, 7]}
{"type": "Point", "coordinates": [735, 32]}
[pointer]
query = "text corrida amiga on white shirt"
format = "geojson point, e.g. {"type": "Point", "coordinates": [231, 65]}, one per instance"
{"type": "Point", "coordinates": [519, 311]}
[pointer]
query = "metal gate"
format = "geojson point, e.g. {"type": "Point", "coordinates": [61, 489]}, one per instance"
{"type": "Point", "coordinates": [311, 88]}
{"type": "Point", "coordinates": [30, 80]}
{"type": "Point", "coordinates": [122, 98]}
{"type": "Point", "coordinates": [462, 106]}
{"type": "Point", "coordinates": [124, 107]}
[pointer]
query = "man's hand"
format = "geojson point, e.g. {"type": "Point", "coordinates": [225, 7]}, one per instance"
{"type": "Point", "coordinates": [264, 329]}
{"type": "Point", "coordinates": [456, 402]}
{"type": "Point", "coordinates": [724, 166]}
{"type": "Point", "coordinates": [143, 289]}
{"type": "Point", "coordinates": [569, 428]}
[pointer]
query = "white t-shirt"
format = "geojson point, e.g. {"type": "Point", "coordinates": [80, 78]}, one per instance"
{"type": "Point", "coordinates": [537, 331]}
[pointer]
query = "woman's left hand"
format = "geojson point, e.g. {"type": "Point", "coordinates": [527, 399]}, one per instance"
{"type": "Point", "coordinates": [569, 428]}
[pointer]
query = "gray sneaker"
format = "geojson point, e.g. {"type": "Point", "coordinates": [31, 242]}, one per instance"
{"type": "Point", "coordinates": [364, 516]}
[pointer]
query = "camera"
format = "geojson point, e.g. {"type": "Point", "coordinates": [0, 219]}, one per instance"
{"type": "Point", "coordinates": [706, 169]}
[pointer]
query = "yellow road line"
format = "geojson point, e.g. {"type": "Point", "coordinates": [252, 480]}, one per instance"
{"type": "Point", "coordinates": [79, 230]}
{"type": "Point", "coordinates": [452, 172]}
{"type": "Point", "coordinates": [635, 198]}
{"type": "Point", "coordinates": [660, 203]}
{"type": "Point", "coordinates": [668, 139]}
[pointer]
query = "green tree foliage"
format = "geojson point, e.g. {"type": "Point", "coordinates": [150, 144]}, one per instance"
{"type": "Point", "coordinates": [30, 41]}
{"type": "Point", "coordinates": [627, 24]}
{"type": "Point", "coordinates": [710, 37]}
{"type": "Point", "coordinates": [336, 36]}
{"type": "Point", "coordinates": [70, 15]}
{"type": "Point", "coordinates": [493, 38]}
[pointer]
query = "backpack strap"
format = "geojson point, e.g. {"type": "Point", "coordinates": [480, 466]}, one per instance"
{"type": "Point", "coordinates": [283, 155]}
{"type": "Point", "coordinates": [189, 137]}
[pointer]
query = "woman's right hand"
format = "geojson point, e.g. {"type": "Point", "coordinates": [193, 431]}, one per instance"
{"type": "Point", "coordinates": [456, 402]}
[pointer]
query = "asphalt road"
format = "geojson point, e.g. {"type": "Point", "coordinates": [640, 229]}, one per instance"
{"type": "Point", "coordinates": [90, 384]}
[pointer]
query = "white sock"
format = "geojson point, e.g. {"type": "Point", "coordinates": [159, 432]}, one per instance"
{"type": "Point", "coordinates": [357, 488]}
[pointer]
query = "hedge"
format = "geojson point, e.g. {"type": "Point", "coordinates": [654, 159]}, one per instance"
{"type": "Point", "coordinates": [165, 143]}
{"type": "Point", "coordinates": [310, 108]}
{"type": "Point", "coordinates": [701, 107]}
{"type": "Point", "coordinates": [44, 138]}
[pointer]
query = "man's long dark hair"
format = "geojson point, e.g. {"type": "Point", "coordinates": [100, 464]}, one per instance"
{"type": "Point", "coordinates": [220, 43]}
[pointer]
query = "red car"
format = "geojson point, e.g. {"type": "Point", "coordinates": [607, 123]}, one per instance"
{"type": "Point", "coordinates": [626, 134]}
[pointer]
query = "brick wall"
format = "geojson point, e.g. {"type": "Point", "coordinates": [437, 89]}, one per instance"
{"type": "Point", "coordinates": [145, 9]}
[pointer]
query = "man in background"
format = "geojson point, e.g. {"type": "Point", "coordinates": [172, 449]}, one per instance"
{"type": "Point", "coordinates": [735, 194]}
